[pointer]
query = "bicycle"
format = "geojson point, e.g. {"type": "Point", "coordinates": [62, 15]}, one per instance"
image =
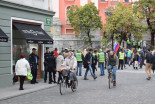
{"type": "Point", "coordinates": [110, 77]}
{"type": "Point", "coordinates": [66, 83]}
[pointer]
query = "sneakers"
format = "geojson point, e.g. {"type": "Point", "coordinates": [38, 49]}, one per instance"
{"type": "Point", "coordinates": [85, 78]}
{"type": "Point", "coordinates": [148, 78]}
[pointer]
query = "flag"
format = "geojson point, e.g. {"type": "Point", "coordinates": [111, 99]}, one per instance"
{"type": "Point", "coordinates": [116, 47]}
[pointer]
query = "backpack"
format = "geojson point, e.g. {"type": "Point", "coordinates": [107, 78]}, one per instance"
{"type": "Point", "coordinates": [149, 58]}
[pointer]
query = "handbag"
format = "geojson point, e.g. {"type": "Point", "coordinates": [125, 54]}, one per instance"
{"type": "Point", "coordinates": [15, 79]}
{"type": "Point", "coordinates": [29, 75]}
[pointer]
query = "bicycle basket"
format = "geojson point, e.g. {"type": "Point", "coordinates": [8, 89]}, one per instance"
{"type": "Point", "coordinates": [64, 73]}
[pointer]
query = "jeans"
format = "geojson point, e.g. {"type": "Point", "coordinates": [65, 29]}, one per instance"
{"type": "Point", "coordinates": [102, 68]}
{"type": "Point", "coordinates": [91, 71]}
{"type": "Point", "coordinates": [114, 71]}
{"type": "Point", "coordinates": [79, 66]}
{"type": "Point", "coordinates": [128, 60]}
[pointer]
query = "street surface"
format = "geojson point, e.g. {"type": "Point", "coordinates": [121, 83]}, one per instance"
{"type": "Point", "coordinates": [132, 88]}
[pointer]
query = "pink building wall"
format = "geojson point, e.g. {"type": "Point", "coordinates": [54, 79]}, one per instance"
{"type": "Point", "coordinates": [65, 3]}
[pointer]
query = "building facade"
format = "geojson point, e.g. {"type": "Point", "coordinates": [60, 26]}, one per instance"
{"type": "Point", "coordinates": [63, 34]}
{"type": "Point", "coordinates": [16, 20]}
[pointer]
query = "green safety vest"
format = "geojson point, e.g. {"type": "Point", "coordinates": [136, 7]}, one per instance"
{"type": "Point", "coordinates": [78, 56]}
{"type": "Point", "coordinates": [134, 43]}
{"type": "Point", "coordinates": [121, 55]}
{"type": "Point", "coordinates": [128, 41]}
{"type": "Point", "coordinates": [138, 43]}
{"type": "Point", "coordinates": [101, 57]}
{"type": "Point", "coordinates": [129, 53]}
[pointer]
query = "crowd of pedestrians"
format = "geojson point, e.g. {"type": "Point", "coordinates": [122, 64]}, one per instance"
{"type": "Point", "coordinates": [91, 60]}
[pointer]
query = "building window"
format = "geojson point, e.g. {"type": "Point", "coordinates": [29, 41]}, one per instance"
{"type": "Point", "coordinates": [103, 0]}
{"type": "Point", "coordinates": [69, 0]}
{"type": "Point", "coordinates": [126, 1]}
{"type": "Point", "coordinates": [115, 0]}
{"type": "Point", "coordinates": [69, 31]}
{"type": "Point", "coordinates": [67, 19]}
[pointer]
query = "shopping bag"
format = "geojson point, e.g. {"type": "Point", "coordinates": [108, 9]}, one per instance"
{"type": "Point", "coordinates": [29, 75]}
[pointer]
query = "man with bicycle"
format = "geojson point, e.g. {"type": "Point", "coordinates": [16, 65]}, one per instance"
{"type": "Point", "coordinates": [113, 64]}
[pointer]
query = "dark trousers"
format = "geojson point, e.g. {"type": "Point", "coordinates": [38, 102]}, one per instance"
{"type": "Point", "coordinates": [94, 68]}
{"type": "Point", "coordinates": [50, 76]}
{"type": "Point", "coordinates": [45, 73]}
{"type": "Point", "coordinates": [59, 77]}
{"type": "Point", "coordinates": [121, 64]}
{"type": "Point", "coordinates": [22, 78]}
{"type": "Point", "coordinates": [34, 74]}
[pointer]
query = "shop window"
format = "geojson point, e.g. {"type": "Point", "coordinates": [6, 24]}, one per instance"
{"type": "Point", "coordinates": [67, 19]}
{"type": "Point", "coordinates": [69, 31]}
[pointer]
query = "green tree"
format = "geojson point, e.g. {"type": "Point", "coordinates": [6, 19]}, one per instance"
{"type": "Point", "coordinates": [146, 12]}
{"type": "Point", "coordinates": [85, 19]}
{"type": "Point", "coordinates": [122, 22]}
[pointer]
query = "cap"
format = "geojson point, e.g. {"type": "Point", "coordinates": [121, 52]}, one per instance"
{"type": "Point", "coordinates": [22, 56]}
{"type": "Point", "coordinates": [47, 47]}
{"type": "Point", "coordinates": [79, 50]}
{"type": "Point", "coordinates": [34, 49]}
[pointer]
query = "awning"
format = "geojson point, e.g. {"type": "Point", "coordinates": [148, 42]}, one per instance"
{"type": "Point", "coordinates": [3, 36]}
{"type": "Point", "coordinates": [33, 33]}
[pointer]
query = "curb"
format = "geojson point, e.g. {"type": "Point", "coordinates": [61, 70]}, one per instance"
{"type": "Point", "coordinates": [24, 93]}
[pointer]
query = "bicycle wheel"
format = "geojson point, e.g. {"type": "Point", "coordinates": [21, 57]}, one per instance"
{"type": "Point", "coordinates": [74, 85]}
{"type": "Point", "coordinates": [62, 86]}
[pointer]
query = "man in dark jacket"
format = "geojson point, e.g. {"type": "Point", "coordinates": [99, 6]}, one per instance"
{"type": "Point", "coordinates": [52, 67]}
{"type": "Point", "coordinates": [89, 60]}
{"type": "Point", "coordinates": [148, 63]}
{"type": "Point", "coordinates": [46, 56]}
{"type": "Point", "coordinates": [34, 60]}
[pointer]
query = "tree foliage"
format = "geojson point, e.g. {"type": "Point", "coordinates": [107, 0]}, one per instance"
{"type": "Point", "coordinates": [122, 23]}
{"type": "Point", "coordinates": [85, 19]}
{"type": "Point", "coordinates": [146, 12]}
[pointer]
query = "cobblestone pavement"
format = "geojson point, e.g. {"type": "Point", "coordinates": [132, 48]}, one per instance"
{"type": "Point", "coordinates": [132, 88]}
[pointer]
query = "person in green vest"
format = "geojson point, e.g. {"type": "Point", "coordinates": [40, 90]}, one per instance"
{"type": "Point", "coordinates": [101, 60]}
{"type": "Point", "coordinates": [79, 57]}
{"type": "Point", "coordinates": [121, 59]}
{"type": "Point", "coordinates": [134, 44]}
{"type": "Point", "coordinates": [128, 44]}
{"type": "Point", "coordinates": [139, 44]}
{"type": "Point", "coordinates": [94, 63]}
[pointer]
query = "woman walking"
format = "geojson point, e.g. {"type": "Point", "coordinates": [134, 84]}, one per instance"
{"type": "Point", "coordinates": [21, 69]}
{"type": "Point", "coordinates": [52, 67]}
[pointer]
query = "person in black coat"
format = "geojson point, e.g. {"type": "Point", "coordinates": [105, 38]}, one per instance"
{"type": "Point", "coordinates": [136, 58]}
{"type": "Point", "coordinates": [88, 63]}
{"type": "Point", "coordinates": [52, 67]}
{"type": "Point", "coordinates": [153, 61]}
{"type": "Point", "coordinates": [34, 62]}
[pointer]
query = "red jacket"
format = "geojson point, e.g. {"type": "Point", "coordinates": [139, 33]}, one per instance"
{"type": "Point", "coordinates": [55, 53]}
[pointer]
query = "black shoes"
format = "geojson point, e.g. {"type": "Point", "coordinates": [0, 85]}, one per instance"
{"type": "Point", "coordinates": [21, 89]}
{"type": "Point", "coordinates": [95, 77]}
{"type": "Point", "coordinates": [85, 78]}
{"type": "Point", "coordinates": [148, 78]}
{"type": "Point", "coordinates": [50, 82]}
{"type": "Point", "coordinates": [44, 81]}
{"type": "Point", "coordinates": [114, 83]}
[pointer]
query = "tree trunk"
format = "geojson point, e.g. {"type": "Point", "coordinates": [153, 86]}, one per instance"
{"type": "Point", "coordinates": [89, 39]}
{"type": "Point", "coordinates": [152, 39]}
{"type": "Point", "coordinates": [112, 38]}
